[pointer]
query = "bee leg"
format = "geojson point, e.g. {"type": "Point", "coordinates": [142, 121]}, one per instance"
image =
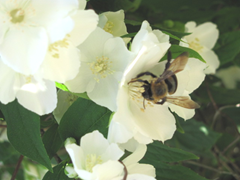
{"type": "Point", "coordinates": [144, 103]}
{"type": "Point", "coordinates": [163, 101]}
{"type": "Point", "coordinates": [138, 80]}
{"type": "Point", "coordinates": [168, 61]}
{"type": "Point", "coordinates": [146, 73]}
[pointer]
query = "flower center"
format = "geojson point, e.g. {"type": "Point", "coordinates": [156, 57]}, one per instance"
{"type": "Point", "coordinates": [54, 47]}
{"type": "Point", "coordinates": [17, 15]}
{"type": "Point", "coordinates": [195, 45]}
{"type": "Point", "coordinates": [135, 91]}
{"type": "Point", "coordinates": [108, 27]}
{"type": "Point", "coordinates": [28, 79]}
{"type": "Point", "coordinates": [92, 160]}
{"type": "Point", "coordinates": [101, 67]}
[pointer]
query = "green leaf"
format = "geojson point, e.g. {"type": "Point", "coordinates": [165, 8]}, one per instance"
{"type": "Point", "coordinates": [133, 22]}
{"type": "Point", "coordinates": [129, 35]}
{"type": "Point", "coordinates": [174, 172]}
{"type": "Point", "coordinates": [160, 152]}
{"type": "Point", "coordinates": [197, 137]}
{"type": "Point", "coordinates": [172, 36]}
{"type": "Point", "coordinates": [128, 5]}
{"type": "Point", "coordinates": [229, 47]}
{"type": "Point", "coordinates": [52, 140]}
{"type": "Point", "coordinates": [7, 151]}
{"type": "Point", "coordinates": [24, 132]}
{"type": "Point", "coordinates": [219, 94]}
{"type": "Point", "coordinates": [58, 173]}
{"type": "Point", "coordinates": [82, 95]}
{"type": "Point", "coordinates": [179, 127]}
{"type": "Point", "coordinates": [176, 50]}
{"type": "Point", "coordinates": [61, 86]}
{"type": "Point", "coordinates": [82, 117]}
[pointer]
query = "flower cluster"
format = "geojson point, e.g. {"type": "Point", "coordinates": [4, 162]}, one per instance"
{"type": "Point", "coordinates": [101, 160]}
{"type": "Point", "coordinates": [38, 47]}
{"type": "Point", "coordinates": [63, 43]}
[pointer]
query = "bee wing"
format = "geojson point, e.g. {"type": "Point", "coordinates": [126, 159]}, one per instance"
{"type": "Point", "coordinates": [183, 101]}
{"type": "Point", "coordinates": [176, 66]}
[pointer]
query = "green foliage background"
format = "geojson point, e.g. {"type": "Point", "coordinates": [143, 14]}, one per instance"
{"type": "Point", "coordinates": [206, 147]}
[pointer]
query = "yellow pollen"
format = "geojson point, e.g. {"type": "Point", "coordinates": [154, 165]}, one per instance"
{"type": "Point", "coordinates": [17, 15]}
{"type": "Point", "coordinates": [135, 91]}
{"type": "Point", "coordinates": [108, 27]}
{"type": "Point", "coordinates": [195, 45]}
{"type": "Point", "coordinates": [28, 80]}
{"type": "Point", "coordinates": [101, 67]}
{"type": "Point", "coordinates": [92, 160]}
{"type": "Point", "coordinates": [54, 47]}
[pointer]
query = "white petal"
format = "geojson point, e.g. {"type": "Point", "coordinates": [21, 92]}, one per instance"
{"type": "Point", "coordinates": [118, 133]}
{"type": "Point", "coordinates": [94, 143]}
{"type": "Point", "coordinates": [9, 84]}
{"type": "Point", "coordinates": [62, 62]}
{"type": "Point", "coordinates": [84, 80]}
{"type": "Point", "coordinates": [145, 169]}
{"type": "Point", "coordinates": [155, 122]}
{"type": "Point", "coordinates": [94, 44]}
{"type": "Point", "coordinates": [113, 152]}
{"type": "Point", "coordinates": [136, 177]}
{"type": "Point", "coordinates": [4, 27]}
{"type": "Point", "coordinates": [212, 61]}
{"type": "Point", "coordinates": [39, 97]}
{"type": "Point", "coordinates": [27, 57]}
{"type": "Point", "coordinates": [196, 74]}
{"type": "Point", "coordinates": [82, 4]}
{"type": "Point", "coordinates": [49, 12]}
{"type": "Point", "coordinates": [131, 145]}
{"type": "Point", "coordinates": [77, 156]}
{"type": "Point", "coordinates": [121, 126]}
{"type": "Point", "coordinates": [108, 170]}
{"type": "Point", "coordinates": [102, 20]}
{"type": "Point", "coordinates": [136, 156]}
{"type": "Point", "coordinates": [117, 18]}
{"type": "Point", "coordinates": [85, 24]}
{"type": "Point", "coordinates": [162, 38]}
{"type": "Point", "coordinates": [207, 34]}
{"type": "Point", "coordinates": [105, 93]}
{"type": "Point", "coordinates": [190, 26]}
{"type": "Point", "coordinates": [58, 30]}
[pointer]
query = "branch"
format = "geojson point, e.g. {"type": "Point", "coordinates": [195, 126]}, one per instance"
{"type": "Point", "coordinates": [125, 171]}
{"type": "Point", "coordinates": [210, 168]}
{"type": "Point", "coordinates": [17, 167]}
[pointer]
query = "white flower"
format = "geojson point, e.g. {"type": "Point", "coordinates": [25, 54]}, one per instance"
{"type": "Point", "coordinates": [202, 40]}
{"type": "Point", "coordinates": [32, 92]}
{"type": "Point", "coordinates": [113, 22]}
{"type": "Point", "coordinates": [93, 155]}
{"type": "Point", "coordinates": [65, 100]}
{"type": "Point", "coordinates": [230, 76]}
{"type": "Point", "coordinates": [103, 60]}
{"type": "Point", "coordinates": [155, 122]}
{"type": "Point", "coordinates": [28, 27]}
{"type": "Point", "coordinates": [96, 159]}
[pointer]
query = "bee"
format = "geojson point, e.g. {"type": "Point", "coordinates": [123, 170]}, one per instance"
{"type": "Point", "coordinates": [156, 89]}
